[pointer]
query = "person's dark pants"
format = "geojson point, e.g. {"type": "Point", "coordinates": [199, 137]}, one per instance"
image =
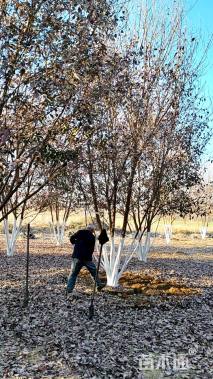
{"type": "Point", "coordinates": [76, 267]}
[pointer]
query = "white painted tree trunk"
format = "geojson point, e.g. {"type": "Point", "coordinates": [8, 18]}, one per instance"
{"type": "Point", "coordinates": [143, 247]}
{"type": "Point", "coordinates": [168, 233]}
{"type": "Point", "coordinates": [58, 230]}
{"type": "Point", "coordinates": [11, 237]}
{"type": "Point", "coordinates": [203, 232]}
{"type": "Point", "coordinates": [112, 261]}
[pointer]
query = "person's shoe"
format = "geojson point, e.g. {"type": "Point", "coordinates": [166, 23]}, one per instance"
{"type": "Point", "coordinates": [71, 295]}
{"type": "Point", "coordinates": [68, 294]}
{"type": "Point", "coordinates": [101, 286]}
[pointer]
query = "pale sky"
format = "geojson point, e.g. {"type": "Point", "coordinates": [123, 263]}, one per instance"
{"type": "Point", "coordinates": [200, 18]}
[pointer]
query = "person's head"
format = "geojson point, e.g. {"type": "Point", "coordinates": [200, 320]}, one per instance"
{"type": "Point", "coordinates": [91, 227]}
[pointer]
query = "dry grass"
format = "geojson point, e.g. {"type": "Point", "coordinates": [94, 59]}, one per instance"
{"type": "Point", "coordinates": [179, 225]}
{"type": "Point", "coordinates": [77, 220]}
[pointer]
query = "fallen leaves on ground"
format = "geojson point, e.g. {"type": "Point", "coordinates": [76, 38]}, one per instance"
{"type": "Point", "coordinates": [53, 337]}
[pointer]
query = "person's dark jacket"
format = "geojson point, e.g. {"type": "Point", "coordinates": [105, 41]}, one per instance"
{"type": "Point", "coordinates": [84, 244]}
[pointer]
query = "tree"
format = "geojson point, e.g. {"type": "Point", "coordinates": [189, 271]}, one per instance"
{"type": "Point", "coordinates": [151, 107]}
{"type": "Point", "coordinates": [50, 51]}
{"type": "Point", "coordinates": [61, 198]}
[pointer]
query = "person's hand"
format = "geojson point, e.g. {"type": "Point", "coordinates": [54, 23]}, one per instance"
{"type": "Point", "coordinates": [103, 238]}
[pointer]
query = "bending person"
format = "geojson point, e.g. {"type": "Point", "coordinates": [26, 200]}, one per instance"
{"type": "Point", "coordinates": [84, 244]}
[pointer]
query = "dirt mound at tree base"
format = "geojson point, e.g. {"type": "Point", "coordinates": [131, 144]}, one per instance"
{"type": "Point", "coordinates": [150, 286]}
{"type": "Point", "coordinates": [134, 283]}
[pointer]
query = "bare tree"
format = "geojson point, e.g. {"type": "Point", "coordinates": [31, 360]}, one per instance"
{"type": "Point", "coordinates": [150, 117]}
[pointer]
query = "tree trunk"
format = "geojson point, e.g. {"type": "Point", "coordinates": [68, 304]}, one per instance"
{"type": "Point", "coordinates": [11, 238]}
{"type": "Point", "coordinates": [93, 191]}
{"type": "Point", "coordinates": [129, 195]}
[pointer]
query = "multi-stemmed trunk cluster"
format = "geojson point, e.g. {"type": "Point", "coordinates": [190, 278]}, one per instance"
{"type": "Point", "coordinates": [59, 217]}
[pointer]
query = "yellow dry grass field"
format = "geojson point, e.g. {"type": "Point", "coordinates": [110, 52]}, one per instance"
{"type": "Point", "coordinates": [78, 220]}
